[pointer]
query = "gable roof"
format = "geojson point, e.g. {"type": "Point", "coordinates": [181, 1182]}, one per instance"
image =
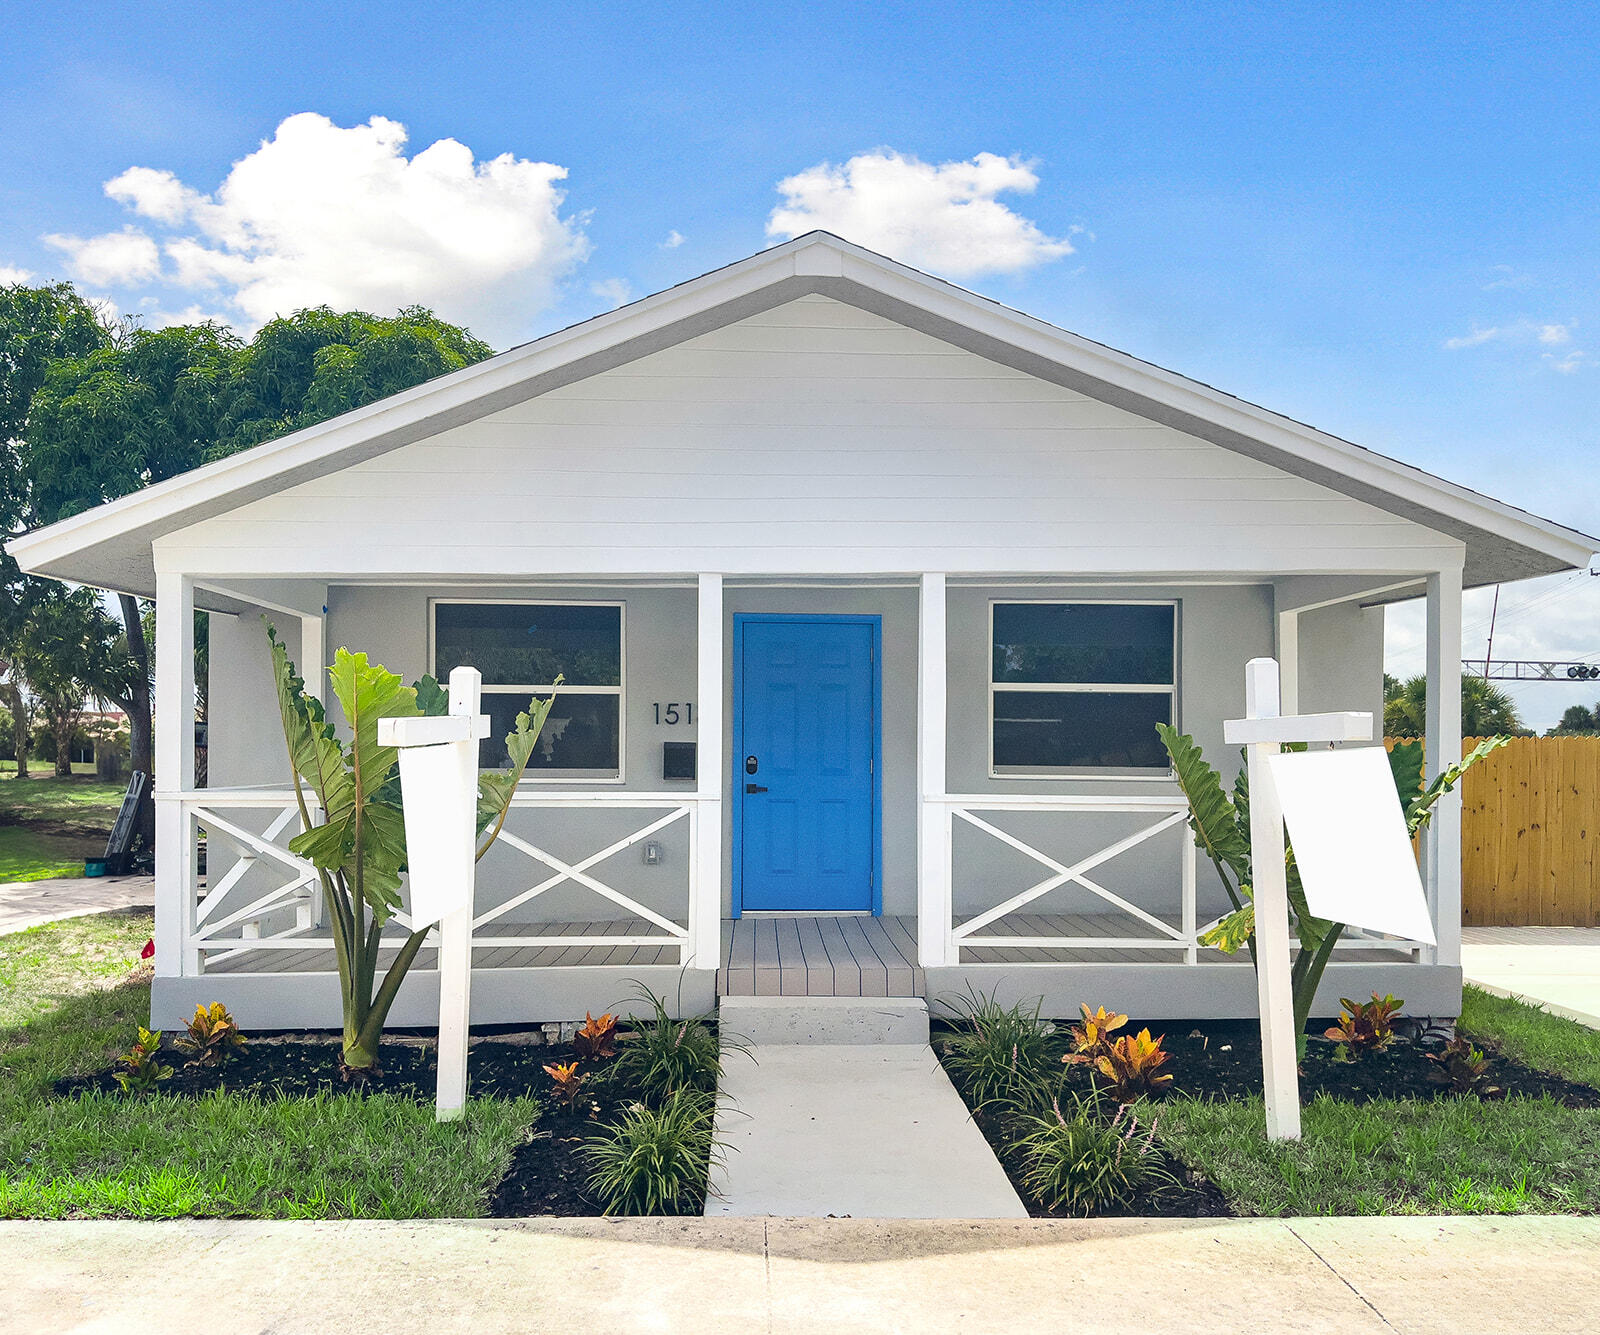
{"type": "Point", "coordinates": [109, 546]}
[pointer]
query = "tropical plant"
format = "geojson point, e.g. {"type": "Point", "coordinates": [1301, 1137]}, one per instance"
{"type": "Point", "coordinates": [142, 1069]}
{"type": "Point", "coordinates": [655, 1159]}
{"type": "Point", "coordinates": [1092, 1039]}
{"type": "Point", "coordinates": [1221, 828]}
{"type": "Point", "coordinates": [666, 1056]}
{"type": "Point", "coordinates": [1364, 1026]}
{"type": "Point", "coordinates": [567, 1082]}
{"type": "Point", "coordinates": [357, 842]}
{"type": "Point", "coordinates": [596, 1038]}
{"type": "Point", "coordinates": [1080, 1163]}
{"type": "Point", "coordinates": [1133, 1064]}
{"type": "Point", "coordinates": [1461, 1066]}
{"type": "Point", "coordinates": [211, 1036]}
{"type": "Point", "coordinates": [1002, 1054]}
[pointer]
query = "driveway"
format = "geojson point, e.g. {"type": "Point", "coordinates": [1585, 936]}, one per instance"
{"type": "Point", "coordinates": [25, 904]}
{"type": "Point", "coordinates": [1558, 967]}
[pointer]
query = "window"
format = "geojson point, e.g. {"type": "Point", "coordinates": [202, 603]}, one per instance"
{"type": "Point", "coordinates": [521, 648]}
{"type": "Point", "coordinates": [1081, 686]}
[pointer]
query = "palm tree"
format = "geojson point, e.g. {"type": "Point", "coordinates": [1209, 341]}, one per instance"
{"type": "Point", "coordinates": [1486, 710]}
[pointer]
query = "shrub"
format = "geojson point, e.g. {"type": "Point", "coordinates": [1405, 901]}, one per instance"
{"type": "Point", "coordinates": [665, 1056]}
{"type": "Point", "coordinates": [211, 1037]}
{"type": "Point", "coordinates": [1132, 1065]}
{"type": "Point", "coordinates": [142, 1069]}
{"type": "Point", "coordinates": [596, 1038]}
{"type": "Point", "coordinates": [655, 1160]}
{"type": "Point", "coordinates": [1003, 1054]}
{"type": "Point", "coordinates": [1364, 1026]}
{"type": "Point", "coordinates": [568, 1082]}
{"type": "Point", "coordinates": [1461, 1066]}
{"type": "Point", "coordinates": [1081, 1163]}
{"type": "Point", "coordinates": [1091, 1040]}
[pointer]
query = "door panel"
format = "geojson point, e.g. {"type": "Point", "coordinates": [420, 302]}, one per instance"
{"type": "Point", "coordinates": [808, 714]}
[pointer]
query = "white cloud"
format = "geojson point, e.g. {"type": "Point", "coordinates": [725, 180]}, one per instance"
{"type": "Point", "coordinates": [613, 290]}
{"type": "Point", "coordinates": [675, 238]}
{"type": "Point", "coordinates": [1546, 333]}
{"type": "Point", "coordinates": [113, 259]}
{"type": "Point", "coordinates": [10, 274]}
{"type": "Point", "coordinates": [1506, 278]}
{"type": "Point", "coordinates": [327, 214]}
{"type": "Point", "coordinates": [944, 217]}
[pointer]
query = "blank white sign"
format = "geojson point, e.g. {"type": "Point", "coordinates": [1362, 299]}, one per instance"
{"type": "Point", "coordinates": [1350, 840]}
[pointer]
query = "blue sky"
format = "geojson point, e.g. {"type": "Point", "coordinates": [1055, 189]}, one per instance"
{"type": "Point", "coordinates": [1383, 220]}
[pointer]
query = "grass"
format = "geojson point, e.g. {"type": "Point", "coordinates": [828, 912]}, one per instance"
{"type": "Point", "coordinates": [49, 825]}
{"type": "Point", "coordinates": [1533, 1036]}
{"type": "Point", "coordinates": [338, 1156]}
{"type": "Point", "coordinates": [1405, 1156]}
{"type": "Point", "coordinates": [1395, 1156]}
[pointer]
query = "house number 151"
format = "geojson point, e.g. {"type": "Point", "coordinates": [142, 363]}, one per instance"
{"type": "Point", "coordinates": [674, 714]}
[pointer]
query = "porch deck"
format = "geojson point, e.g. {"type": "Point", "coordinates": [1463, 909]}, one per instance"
{"type": "Point", "coordinates": [845, 956]}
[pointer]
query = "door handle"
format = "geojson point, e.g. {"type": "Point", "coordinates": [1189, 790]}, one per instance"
{"type": "Point", "coordinates": [754, 788]}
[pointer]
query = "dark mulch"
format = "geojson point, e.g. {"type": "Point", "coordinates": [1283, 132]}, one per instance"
{"type": "Point", "coordinates": [1216, 1059]}
{"type": "Point", "coordinates": [546, 1173]}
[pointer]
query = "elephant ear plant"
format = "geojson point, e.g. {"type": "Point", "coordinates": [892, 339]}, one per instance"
{"type": "Point", "coordinates": [1221, 826]}
{"type": "Point", "coordinates": [358, 844]}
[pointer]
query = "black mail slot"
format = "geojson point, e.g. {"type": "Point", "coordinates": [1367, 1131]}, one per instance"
{"type": "Point", "coordinates": [678, 760]}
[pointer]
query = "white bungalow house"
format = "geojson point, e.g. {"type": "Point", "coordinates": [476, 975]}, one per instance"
{"type": "Point", "coordinates": [867, 592]}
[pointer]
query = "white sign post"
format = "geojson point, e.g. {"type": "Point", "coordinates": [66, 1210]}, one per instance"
{"type": "Point", "coordinates": [439, 783]}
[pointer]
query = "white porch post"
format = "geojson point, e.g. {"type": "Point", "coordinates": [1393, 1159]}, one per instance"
{"type": "Point", "coordinates": [935, 948]}
{"type": "Point", "coordinates": [314, 655]}
{"type": "Point", "coordinates": [1288, 655]}
{"type": "Point", "coordinates": [174, 760]}
{"type": "Point", "coordinates": [705, 877]}
{"type": "Point", "coordinates": [1441, 844]}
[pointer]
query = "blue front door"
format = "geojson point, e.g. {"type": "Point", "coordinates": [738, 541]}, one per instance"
{"type": "Point", "coordinates": [806, 723]}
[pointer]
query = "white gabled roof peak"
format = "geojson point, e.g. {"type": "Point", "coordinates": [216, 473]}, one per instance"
{"type": "Point", "coordinates": [109, 546]}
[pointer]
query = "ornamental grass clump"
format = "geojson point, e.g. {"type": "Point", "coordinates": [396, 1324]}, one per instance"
{"type": "Point", "coordinates": [656, 1159]}
{"type": "Point", "coordinates": [1002, 1054]}
{"type": "Point", "coordinates": [1080, 1163]}
{"type": "Point", "coordinates": [665, 1056]}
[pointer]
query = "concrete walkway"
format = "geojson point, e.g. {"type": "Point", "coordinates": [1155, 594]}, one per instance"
{"type": "Point", "coordinates": [25, 904]}
{"type": "Point", "coordinates": [1417, 1276]}
{"type": "Point", "coordinates": [839, 1108]}
{"type": "Point", "coordinates": [1557, 967]}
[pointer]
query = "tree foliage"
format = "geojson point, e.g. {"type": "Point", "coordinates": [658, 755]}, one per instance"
{"type": "Point", "coordinates": [1486, 710]}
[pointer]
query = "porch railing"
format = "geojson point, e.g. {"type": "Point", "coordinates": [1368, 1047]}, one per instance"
{"type": "Point", "coordinates": [253, 894]}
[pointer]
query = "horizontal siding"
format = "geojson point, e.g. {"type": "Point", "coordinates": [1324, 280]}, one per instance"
{"type": "Point", "coordinates": [812, 437]}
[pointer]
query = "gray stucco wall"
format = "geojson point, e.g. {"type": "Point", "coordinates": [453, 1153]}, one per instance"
{"type": "Point", "coordinates": [1341, 660]}
{"type": "Point", "coordinates": [245, 736]}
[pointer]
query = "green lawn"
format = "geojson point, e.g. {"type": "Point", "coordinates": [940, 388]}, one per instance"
{"type": "Point", "coordinates": [1405, 1156]}
{"type": "Point", "coordinates": [48, 826]}
{"type": "Point", "coordinates": [373, 1156]}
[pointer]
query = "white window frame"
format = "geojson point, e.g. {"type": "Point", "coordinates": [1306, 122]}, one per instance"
{"type": "Point", "coordinates": [620, 690]}
{"type": "Point", "coordinates": [1080, 772]}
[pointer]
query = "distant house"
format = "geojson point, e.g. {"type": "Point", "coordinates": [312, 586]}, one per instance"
{"type": "Point", "coordinates": [867, 593]}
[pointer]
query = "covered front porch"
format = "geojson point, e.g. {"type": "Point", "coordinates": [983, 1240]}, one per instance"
{"type": "Point", "coordinates": [1069, 887]}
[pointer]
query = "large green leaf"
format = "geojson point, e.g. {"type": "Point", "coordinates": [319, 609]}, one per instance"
{"type": "Point", "coordinates": [313, 749]}
{"type": "Point", "coordinates": [1211, 814]}
{"type": "Point", "coordinates": [1406, 764]}
{"type": "Point", "coordinates": [497, 787]}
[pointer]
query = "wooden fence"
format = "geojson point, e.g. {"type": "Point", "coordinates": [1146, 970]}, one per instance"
{"type": "Point", "coordinates": [1527, 814]}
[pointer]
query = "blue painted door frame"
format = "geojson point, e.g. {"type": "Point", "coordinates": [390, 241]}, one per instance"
{"type": "Point", "coordinates": [812, 840]}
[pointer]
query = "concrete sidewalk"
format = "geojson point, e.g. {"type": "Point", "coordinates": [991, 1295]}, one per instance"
{"type": "Point", "coordinates": [833, 1277]}
{"type": "Point", "coordinates": [1555, 967]}
{"type": "Point", "coordinates": [25, 904]}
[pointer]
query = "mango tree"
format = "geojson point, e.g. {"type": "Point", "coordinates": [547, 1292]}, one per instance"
{"type": "Point", "coordinates": [355, 837]}
{"type": "Point", "coordinates": [1221, 828]}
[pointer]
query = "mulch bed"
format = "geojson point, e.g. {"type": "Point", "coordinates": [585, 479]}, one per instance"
{"type": "Point", "coordinates": [1214, 1059]}
{"type": "Point", "coordinates": [546, 1173]}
